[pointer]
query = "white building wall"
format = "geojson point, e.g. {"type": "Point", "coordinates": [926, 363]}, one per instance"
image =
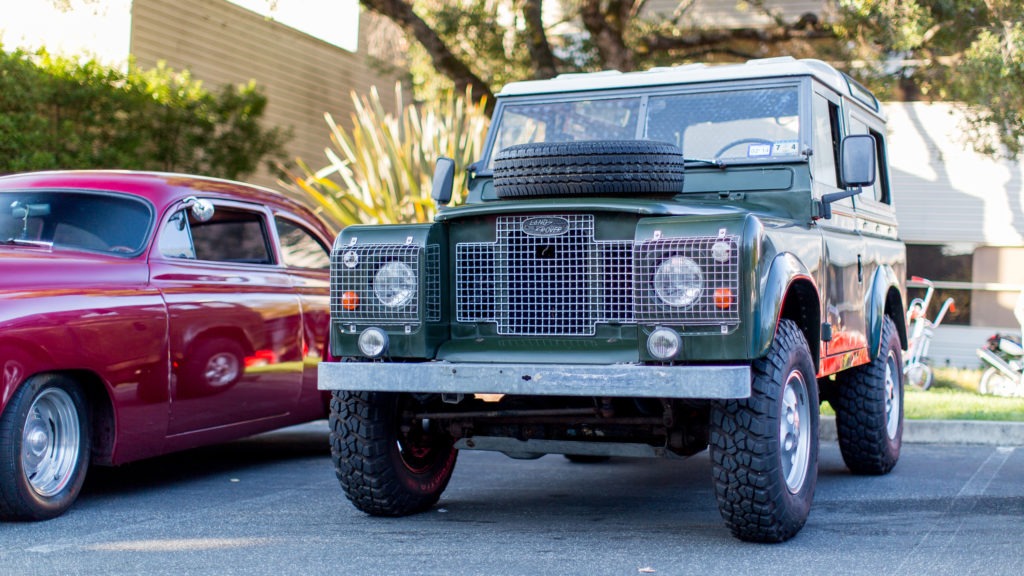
{"type": "Point", "coordinates": [944, 192]}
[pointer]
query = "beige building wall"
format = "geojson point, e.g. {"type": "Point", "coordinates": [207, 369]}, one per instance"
{"type": "Point", "coordinates": [302, 77]}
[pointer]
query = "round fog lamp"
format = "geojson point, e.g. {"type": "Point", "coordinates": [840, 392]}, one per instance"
{"type": "Point", "coordinates": [664, 343]}
{"type": "Point", "coordinates": [373, 342]}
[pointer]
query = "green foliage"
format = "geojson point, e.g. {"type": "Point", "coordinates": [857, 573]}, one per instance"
{"type": "Point", "coordinates": [970, 51]}
{"type": "Point", "coordinates": [380, 171]}
{"type": "Point", "coordinates": [62, 113]}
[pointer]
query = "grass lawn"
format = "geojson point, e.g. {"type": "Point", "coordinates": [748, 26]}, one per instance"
{"type": "Point", "coordinates": [954, 396]}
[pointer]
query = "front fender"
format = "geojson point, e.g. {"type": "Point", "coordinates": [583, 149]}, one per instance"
{"type": "Point", "coordinates": [788, 287]}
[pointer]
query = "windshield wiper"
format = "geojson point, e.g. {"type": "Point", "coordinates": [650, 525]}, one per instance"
{"type": "Point", "coordinates": [20, 242]}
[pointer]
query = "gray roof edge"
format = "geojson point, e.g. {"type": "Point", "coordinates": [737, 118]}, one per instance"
{"type": "Point", "coordinates": [781, 67]}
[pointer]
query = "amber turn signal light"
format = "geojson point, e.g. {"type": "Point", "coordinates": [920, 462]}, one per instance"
{"type": "Point", "coordinates": [723, 298]}
{"type": "Point", "coordinates": [350, 300]}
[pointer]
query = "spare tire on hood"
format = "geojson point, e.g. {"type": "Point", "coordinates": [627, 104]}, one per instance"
{"type": "Point", "coordinates": [598, 167]}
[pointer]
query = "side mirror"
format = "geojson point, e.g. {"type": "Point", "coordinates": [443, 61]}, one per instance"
{"type": "Point", "coordinates": [202, 209]}
{"type": "Point", "coordinates": [444, 178]}
{"type": "Point", "coordinates": [858, 170]}
{"type": "Point", "coordinates": [858, 160]}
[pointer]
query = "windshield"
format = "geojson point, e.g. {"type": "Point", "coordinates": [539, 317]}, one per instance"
{"type": "Point", "coordinates": [734, 125]}
{"type": "Point", "coordinates": [75, 220]}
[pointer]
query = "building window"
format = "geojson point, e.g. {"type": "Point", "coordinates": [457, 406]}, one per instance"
{"type": "Point", "coordinates": [942, 264]}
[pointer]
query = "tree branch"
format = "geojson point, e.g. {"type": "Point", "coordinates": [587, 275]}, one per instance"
{"type": "Point", "coordinates": [537, 40]}
{"type": "Point", "coordinates": [402, 14]}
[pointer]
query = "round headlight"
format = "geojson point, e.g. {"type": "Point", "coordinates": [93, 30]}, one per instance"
{"type": "Point", "coordinates": [678, 281]}
{"type": "Point", "coordinates": [394, 284]}
{"type": "Point", "coordinates": [664, 343]}
{"type": "Point", "coordinates": [373, 342]}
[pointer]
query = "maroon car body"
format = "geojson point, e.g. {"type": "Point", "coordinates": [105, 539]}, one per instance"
{"type": "Point", "coordinates": [133, 323]}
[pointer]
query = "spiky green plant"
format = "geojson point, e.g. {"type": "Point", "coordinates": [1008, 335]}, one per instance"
{"type": "Point", "coordinates": [380, 171]}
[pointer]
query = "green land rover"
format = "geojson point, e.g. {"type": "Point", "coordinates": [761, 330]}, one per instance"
{"type": "Point", "coordinates": [647, 264]}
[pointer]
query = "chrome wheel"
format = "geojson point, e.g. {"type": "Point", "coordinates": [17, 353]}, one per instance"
{"type": "Point", "coordinates": [50, 442]}
{"type": "Point", "coordinates": [892, 397]}
{"type": "Point", "coordinates": [794, 436]}
{"type": "Point", "coordinates": [221, 369]}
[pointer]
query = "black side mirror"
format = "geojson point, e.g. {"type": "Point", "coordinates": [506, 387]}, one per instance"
{"type": "Point", "coordinates": [444, 177]}
{"type": "Point", "coordinates": [858, 160]}
{"type": "Point", "coordinates": [858, 170]}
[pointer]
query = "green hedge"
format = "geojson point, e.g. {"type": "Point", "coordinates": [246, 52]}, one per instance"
{"type": "Point", "coordinates": [61, 113]}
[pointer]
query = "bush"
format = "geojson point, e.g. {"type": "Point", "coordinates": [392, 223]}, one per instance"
{"type": "Point", "coordinates": [380, 171]}
{"type": "Point", "coordinates": [62, 113]}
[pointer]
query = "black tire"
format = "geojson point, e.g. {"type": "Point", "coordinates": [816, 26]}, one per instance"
{"type": "Point", "coordinates": [869, 409]}
{"type": "Point", "coordinates": [387, 466]}
{"type": "Point", "coordinates": [586, 458]}
{"type": "Point", "coordinates": [213, 366]}
{"type": "Point", "coordinates": [588, 168]}
{"type": "Point", "coordinates": [44, 449]}
{"type": "Point", "coordinates": [764, 485]}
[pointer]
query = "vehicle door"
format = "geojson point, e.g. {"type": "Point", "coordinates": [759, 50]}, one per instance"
{"type": "Point", "coordinates": [876, 215]}
{"type": "Point", "coordinates": [843, 272]}
{"type": "Point", "coordinates": [308, 260]}
{"type": "Point", "coordinates": [235, 323]}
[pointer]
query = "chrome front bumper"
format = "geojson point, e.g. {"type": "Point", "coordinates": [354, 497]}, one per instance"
{"type": "Point", "coordinates": [623, 380]}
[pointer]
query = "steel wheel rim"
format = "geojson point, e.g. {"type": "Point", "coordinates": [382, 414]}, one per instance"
{"type": "Point", "coordinates": [50, 442]}
{"type": "Point", "coordinates": [794, 431]}
{"type": "Point", "coordinates": [892, 398]}
{"type": "Point", "coordinates": [221, 369]}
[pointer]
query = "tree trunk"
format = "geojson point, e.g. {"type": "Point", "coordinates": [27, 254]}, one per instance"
{"type": "Point", "coordinates": [537, 40]}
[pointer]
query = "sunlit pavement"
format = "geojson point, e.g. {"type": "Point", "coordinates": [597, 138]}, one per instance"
{"type": "Point", "coordinates": [271, 505]}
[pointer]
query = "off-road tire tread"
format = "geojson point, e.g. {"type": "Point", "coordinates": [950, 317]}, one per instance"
{"type": "Point", "coordinates": [588, 168]}
{"type": "Point", "coordinates": [360, 443]}
{"type": "Point", "coordinates": [749, 486]}
{"type": "Point", "coordinates": [860, 411]}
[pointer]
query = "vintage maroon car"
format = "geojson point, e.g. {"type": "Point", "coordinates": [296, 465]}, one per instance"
{"type": "Point", "coordinates": [143, 313]}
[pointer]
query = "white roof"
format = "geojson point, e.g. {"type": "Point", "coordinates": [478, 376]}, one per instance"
{"type": "Point", "coordinates": [785, 66]}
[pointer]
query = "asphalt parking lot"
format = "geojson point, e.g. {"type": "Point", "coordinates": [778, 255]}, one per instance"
{"type": "Point", "coordinates": [271, 505]}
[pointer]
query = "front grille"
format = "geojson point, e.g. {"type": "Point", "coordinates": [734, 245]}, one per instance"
{"type": "Point", "coordinates": [564, 282]}
{"type": "Point", "coordinates": [354, 268]}
{"type": "Point", "coordinates": [545, 276]}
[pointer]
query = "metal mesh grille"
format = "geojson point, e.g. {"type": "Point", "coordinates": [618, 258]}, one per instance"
{"type": "Point", "coordinates": [544, 276]}
{"type": "Point", "coordinates": [432, 292]}
{"type": "Point", "coordinates": [717, 306]}
{"type": "Point", "coordinates": [353, 269]}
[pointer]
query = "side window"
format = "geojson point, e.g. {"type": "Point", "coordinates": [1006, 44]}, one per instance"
{"type": "Point", "coordinates": [232, 235]}
{"type": "Point", "coordinates": [176, 238]}
{"type": "Point", "coordinates": [880, 190]}
{"type": "Point", "coordinates": [300, 248]}
{"type": "Point", "coordinates": [826, 141]}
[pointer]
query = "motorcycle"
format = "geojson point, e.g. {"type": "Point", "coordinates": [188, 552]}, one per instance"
{"type": "Point", "coordinates": [916, 370]}
{"type": "Point", "coordinates": [1004, 356]}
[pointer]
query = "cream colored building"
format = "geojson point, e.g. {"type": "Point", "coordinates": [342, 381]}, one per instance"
{"type": "Point", "coordinates": [221, 42]}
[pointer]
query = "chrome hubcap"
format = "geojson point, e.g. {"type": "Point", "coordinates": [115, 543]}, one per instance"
{"type": "Point", "coordinates": [50, 442]}
{"type": "Point", "coordinates": [892, 397]}
{"type": "Point", "coordinates": [794, 431]}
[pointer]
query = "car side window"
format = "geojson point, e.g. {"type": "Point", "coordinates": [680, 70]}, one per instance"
{"type": "Point", "coordinates": [232, 235]}
{"type": "Point", "coordinates": [880, 190]}
{"type": "Point", "coordinates": [826, 141]}
{"type": "Point", "coordinates": [300, 248]}
{"type": "Point", "coordinates": [176, 238]}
